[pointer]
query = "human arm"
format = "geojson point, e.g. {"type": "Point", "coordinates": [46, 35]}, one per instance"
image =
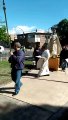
{"type": "Point", "coordinates": [17, 58]}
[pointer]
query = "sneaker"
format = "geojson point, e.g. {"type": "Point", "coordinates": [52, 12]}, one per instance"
{"type": "Point", "coordinates": [37, 76]}
{"type": "Point", "coordinates": [15, 93]}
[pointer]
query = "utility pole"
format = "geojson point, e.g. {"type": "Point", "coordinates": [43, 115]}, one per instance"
{"type": "Point", "coordinates": [4, 8]}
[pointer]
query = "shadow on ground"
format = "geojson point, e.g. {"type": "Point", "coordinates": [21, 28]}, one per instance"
{"type": "Point", "coordinates": [11, 111]}
{"type": "Point", "coordinates": [30, 74]}
{"type": "Point", "coordinates": [42, 77]}
{"type": "Point", "coordinates": [6, 90]}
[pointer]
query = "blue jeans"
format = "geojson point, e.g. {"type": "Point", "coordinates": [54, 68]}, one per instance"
{"type": "Point", "coordinates": [16, 76]}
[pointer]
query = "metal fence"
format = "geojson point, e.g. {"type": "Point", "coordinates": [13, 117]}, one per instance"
{"type": "Point", "coordinates": [4, 56]}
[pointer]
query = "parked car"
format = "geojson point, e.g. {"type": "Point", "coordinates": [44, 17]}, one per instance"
{"type": "Point", "coordinates": [1, 49]}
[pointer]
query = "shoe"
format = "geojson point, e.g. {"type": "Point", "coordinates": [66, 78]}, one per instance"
{"type": "Point", "coordinates": [47, 75]}
{"type": "Point", "coordinates": [63, 70]}
{"type": "Point", "coordinates": [37, 76]}
{"type": "Point", "coordinates": [15, 93]}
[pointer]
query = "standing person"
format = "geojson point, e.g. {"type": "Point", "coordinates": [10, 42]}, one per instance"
{"type": "Point", "coordinates": [17, 64]}
{"type": "Point", "coordinates": [37, 52]}
{"type": "Point", "coordinates": [44, 70]}
{"type": "Point", "coordinates": [63, 57]}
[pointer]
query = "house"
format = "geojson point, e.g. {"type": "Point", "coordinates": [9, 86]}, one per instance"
{"type": "Point", "coordinates": [30, 39]}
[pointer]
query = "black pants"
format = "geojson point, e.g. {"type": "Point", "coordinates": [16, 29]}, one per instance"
{"type": "Point", "coordinates": [64, 64]}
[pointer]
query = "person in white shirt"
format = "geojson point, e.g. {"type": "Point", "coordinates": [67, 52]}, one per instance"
{"type": "Point", "coordinates": [44, 69]}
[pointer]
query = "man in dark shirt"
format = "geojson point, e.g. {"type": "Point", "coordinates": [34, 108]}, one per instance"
{"type": "Point", "coordinates": [63, 57]}
{"type": "Point", "coordinates": [17, 64]}
{"type": "Point", "coordinates": [37, 52]}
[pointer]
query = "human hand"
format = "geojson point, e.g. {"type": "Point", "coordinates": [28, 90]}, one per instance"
{"type": "Point", "coordinates": [11, 53]}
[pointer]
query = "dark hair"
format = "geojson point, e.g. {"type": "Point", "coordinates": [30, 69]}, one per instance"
{"type": "Point", "coordinates": [17, 44]}
{"type": "Point", "coordinates": [45, 46]}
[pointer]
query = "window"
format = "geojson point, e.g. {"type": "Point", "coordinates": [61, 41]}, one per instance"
{"type": "Point", "coordinates": [31, 36]}
{"type": "Point", "coordinates": [37, 36]}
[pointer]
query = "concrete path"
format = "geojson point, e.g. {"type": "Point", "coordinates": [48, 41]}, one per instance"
{"type": "Point", "coordinates": [48, 93]}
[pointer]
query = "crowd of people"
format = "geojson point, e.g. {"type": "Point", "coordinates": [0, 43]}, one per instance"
{"type": "Point", "coordinates": [41, 56]}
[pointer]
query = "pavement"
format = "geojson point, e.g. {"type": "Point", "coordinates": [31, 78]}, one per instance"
{"type": "Point", "coordinates": [43, 98]}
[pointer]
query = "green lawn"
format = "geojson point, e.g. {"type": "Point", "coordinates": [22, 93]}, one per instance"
{"type": "Point", "coordinates": [5, 71]}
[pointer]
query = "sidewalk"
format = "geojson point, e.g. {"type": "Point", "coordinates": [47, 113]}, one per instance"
{"type": "Point", "coordinates": [48, 93]}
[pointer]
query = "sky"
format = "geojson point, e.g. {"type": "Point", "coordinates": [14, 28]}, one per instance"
{"type": "Point", "coordinates": [29, 15]}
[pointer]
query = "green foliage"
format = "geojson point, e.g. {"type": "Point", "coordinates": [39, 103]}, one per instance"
{"type": "Point", "coordinates": [3, 35]}
{"type": "Point", "coordinates": [62, 31]}
{"type": "Point", "coordinates": [63, 28]}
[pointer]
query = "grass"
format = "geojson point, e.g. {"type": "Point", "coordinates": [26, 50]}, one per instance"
{"type": "Point", "coordinates": [5, 71]}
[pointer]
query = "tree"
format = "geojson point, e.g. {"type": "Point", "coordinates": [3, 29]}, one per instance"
{"type": "Point", "coordinates": [62, 31]}
{"type": "Point", "coordinates": [4, 37]}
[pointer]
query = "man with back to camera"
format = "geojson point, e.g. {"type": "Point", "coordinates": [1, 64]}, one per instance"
{"type": "Point", "coordinates": [17, 64]}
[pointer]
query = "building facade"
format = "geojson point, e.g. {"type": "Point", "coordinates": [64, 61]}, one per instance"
{"type": "Point", "coordinates": [30, 39]}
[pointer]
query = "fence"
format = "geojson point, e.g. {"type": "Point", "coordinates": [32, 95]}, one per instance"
{"type": "Point", "coordinates": [4, 56]}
